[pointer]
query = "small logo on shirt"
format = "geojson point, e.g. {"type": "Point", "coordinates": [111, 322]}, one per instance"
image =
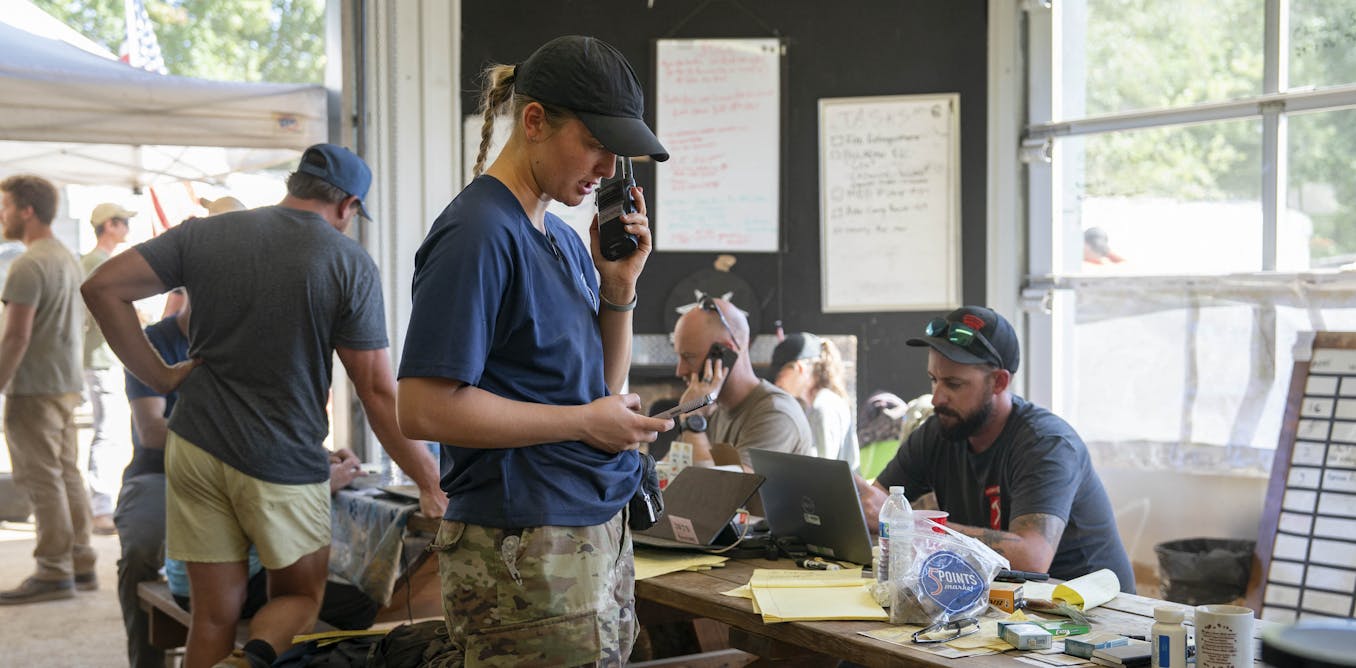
{"type": "Point", "coordinates": [994, 494]}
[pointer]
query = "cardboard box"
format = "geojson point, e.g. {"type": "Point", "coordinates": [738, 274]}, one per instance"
{"type": "Point", "coordinates": [1004, 595]}
{"type": "Point", "coordinates": [1083, 646]}
{"type": "Point", "coordinates": [1026, 636]}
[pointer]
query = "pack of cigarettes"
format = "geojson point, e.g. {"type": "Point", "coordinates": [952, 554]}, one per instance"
{"type": "Point", "coordinates": [1005, 595]}
{"type": "Point", "coordinates": [1083, 646]}
{"type": "Point", "coordinates": [1026, 636]}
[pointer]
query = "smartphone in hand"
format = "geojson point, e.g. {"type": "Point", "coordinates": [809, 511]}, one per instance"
{"type": "Point", "coordinates": [725, 354]}
{"type": "Point", "coordinates": [687, 407]}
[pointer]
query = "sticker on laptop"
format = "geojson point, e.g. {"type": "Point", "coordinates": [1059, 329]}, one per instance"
{"type": "Point", "coordinates": [682, 530]}
{"type": "Point", "coordinates": [949, 581]}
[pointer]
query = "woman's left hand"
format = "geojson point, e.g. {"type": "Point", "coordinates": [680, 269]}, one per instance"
{"type": "Point", "coordinates": [617, 278]}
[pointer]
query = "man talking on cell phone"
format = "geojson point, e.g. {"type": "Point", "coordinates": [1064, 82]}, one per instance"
{"type": "Point", "coordinates": [749, 413]}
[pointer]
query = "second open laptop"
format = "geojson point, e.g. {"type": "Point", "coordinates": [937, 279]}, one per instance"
{"type": "Point", "coordinates": [814, 500]}
{"type": "Point", "coordinates": [699, 505]}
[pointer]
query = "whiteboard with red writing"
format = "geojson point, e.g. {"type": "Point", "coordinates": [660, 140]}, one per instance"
{"type": "Point", "coordinates": [718, 113]}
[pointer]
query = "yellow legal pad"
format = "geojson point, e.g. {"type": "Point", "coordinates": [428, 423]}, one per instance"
{"type": "Point", "coordinates": [653, 563]}
{"type": "Point", "coordinates": [805, 595]}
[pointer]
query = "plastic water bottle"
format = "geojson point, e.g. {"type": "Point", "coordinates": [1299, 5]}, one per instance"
{"type": "Point", "coordinates": [895, 516]}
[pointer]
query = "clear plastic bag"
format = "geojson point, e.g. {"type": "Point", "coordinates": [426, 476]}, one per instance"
{"type": "Point", "coordinates": [944, 577]}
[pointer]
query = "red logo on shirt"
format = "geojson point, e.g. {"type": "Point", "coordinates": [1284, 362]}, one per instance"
{"type": "Point", "coordinates": [993, 493]}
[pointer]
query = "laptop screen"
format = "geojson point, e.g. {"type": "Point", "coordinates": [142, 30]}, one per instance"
{"type": "Point", "coordinates": [815, 501]}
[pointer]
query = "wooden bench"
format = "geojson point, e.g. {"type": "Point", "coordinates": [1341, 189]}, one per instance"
{"type": "Point", "coordinates": [417, 595]}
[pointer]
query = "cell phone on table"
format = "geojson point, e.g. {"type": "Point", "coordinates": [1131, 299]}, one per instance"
{"type": "Point", "coordinates": [686, 407]}
{"type": "Point", "coordinates": [722, 352]}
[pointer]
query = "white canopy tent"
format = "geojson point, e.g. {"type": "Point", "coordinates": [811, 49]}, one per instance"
{"type": "Point", "coordinates": [77, 116]}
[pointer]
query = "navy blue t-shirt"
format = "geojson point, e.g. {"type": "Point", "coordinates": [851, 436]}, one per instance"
{"type": "Point", "coordinates": [505, 308]}
{"type": "Point", "coordinates": [172, 345]}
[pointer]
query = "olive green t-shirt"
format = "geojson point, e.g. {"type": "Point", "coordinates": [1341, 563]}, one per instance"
{"type": "Point", "coordinates": [767, 419]}
{"type": "Point", "coordinates": [47, 276]}
{"type": "Point", "coordinates": [97, 353]}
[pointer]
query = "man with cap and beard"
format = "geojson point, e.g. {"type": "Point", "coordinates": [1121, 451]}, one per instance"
{"type": "Point", "coordinates": [1008, 472]}
{"type": "Point", "coordinates": [277, 292]}
{"type": "Point", "coordinates": [110, 450]}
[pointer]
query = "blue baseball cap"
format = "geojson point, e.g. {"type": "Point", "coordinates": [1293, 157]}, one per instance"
{"type": "Point", "coordinates": [340, 168]}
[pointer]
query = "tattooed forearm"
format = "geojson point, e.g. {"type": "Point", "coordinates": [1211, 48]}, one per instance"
{"type": "Point", "coordinates": [927, 502]}
{"type": "Point", "coordinates": [1049, 527]}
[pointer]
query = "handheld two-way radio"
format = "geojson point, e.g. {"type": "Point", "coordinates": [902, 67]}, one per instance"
{"type": "Point", "coordinates": [614, 200]}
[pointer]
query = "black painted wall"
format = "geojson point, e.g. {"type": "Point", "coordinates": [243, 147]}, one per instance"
{"type": "Point", "coordinates": [839, 48]}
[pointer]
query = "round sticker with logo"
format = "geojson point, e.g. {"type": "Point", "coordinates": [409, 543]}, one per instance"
{"type": "Point", "coordinates": [948, 580]}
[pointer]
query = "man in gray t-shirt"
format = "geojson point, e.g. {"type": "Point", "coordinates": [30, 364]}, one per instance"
{"type": "Point", "coordinates": [748, 413]}
{"type": "Point", "coordinates": [1008, 472]}
{"type": "Point", "coordinates": [40, 371]}
{"type": "Point", "coordinates": [277, 292]}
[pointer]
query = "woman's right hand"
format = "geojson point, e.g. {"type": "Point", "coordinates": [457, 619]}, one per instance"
{"type": "Point", "coordinates": [613, 424]}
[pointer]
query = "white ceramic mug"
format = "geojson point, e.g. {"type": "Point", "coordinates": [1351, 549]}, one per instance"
{"type": "Point", "coordinates": [1224, 636]}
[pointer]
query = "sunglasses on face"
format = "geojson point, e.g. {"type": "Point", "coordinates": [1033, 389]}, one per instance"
{"type": "Point", "coordinates": [963, 336]}
{"type": "Point", "coordinates": [709, 304]}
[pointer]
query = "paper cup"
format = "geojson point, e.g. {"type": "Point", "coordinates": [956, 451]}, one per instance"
{"type": "Point", "coordinates": [1224, 636]}
{"type": "Point", "coordinates": [938, 516]}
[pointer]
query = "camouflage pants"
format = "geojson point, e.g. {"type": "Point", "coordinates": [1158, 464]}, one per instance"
{"type": "Point", "coordinates": [539, 596]}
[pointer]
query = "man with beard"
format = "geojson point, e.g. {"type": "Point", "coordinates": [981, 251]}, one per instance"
{"type": "Point", "coordinates": [1008, 472]}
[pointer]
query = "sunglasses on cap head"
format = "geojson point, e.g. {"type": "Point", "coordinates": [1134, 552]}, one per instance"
{"type": "Point", "coordinates": [963, 336]}
{"type": "Point", "coordinates": [709, 304]}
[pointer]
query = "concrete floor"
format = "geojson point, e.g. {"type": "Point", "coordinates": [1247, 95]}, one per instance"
{"type": "Point", "coordinates": [84, 631]}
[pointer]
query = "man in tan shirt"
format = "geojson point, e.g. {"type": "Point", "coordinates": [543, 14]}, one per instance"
{"type": "Point", "coordinates": [40, 370]}
{"type": "Point", "coordinates": [110, 449]}
{"type": "Point", "coordinates": [748, 413]}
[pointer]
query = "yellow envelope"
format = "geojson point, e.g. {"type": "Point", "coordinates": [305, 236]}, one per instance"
{"type": "Point", "coordinates": [650, 564]}
{"type": "Point", "coordinates": [1089, 591]}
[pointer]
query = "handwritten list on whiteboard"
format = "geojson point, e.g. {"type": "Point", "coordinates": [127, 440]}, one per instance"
{"type": "Point", "coordinates": [719, 115]}
{"type": "Point", "coordinates": [889, 197]}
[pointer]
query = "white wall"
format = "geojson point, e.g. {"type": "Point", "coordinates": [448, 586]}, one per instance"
{"type": "Point", "coordinates": [1153, 506]}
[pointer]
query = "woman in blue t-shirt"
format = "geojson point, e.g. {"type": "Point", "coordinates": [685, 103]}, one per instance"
{"type": "Point", "coordinates": [518, 346]}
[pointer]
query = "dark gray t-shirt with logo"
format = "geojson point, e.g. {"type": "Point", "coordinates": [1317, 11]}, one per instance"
{"type": "Point", "coordinates": [274, 291]}
{"type": "Point", "coordinates": [1038, 464]}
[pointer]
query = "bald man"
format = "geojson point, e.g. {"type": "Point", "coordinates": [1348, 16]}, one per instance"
{"type": "Point", "coordinates": [749, 413]}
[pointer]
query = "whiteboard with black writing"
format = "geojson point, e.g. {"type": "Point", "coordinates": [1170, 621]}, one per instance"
{"type": "Point", "coordinates": [889, 200]}
{"type": "Point", "coordinates": [719, 116]}
{"type": "Point", "coordinates": [1304, 565]}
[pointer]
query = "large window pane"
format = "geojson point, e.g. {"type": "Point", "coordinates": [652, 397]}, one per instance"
{"type": "Point", "coordinates": [1321, 36]}
{"type": "Point", "coordinates": [1173, 200]}
{"type": "Point", "coordinates": [1322, 192]}
{"type": "Point", "coordinates": [1122, 55]}
{"type": "Point", "coordinates": [1151, 368]}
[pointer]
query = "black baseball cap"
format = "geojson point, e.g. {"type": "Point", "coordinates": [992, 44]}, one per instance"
{"type": "Point", "coordinates": [340, 168]}
{"type": "Point", "coordinates": [796, 346]}
{"type": "Point", "coordinates": [592, 79]}
{"type": "Point", "coordinates": [961, 336]}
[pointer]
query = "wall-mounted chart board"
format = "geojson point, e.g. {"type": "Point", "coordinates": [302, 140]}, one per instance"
{"type": "Point", "coordinates": [718, 113]}
{"type": "Point", "coordinates": [1305, 563]}
{"type": "Point", "coordinates": [889, 200]}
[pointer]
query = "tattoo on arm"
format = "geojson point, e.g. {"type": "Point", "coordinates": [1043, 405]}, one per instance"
{"type": "Point", "coordinates": [927, 502]}
{"type": "Point", "coordinates": [998, 540]}
{"type": "Point", "coordinates": [1049, 527]}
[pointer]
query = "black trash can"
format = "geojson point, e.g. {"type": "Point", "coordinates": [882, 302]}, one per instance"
{"type": "Point", "coordinates": [1199, 571]}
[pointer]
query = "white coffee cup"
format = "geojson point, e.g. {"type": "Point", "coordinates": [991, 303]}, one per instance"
{"type": "Point", "coordinates": [1224, 636]}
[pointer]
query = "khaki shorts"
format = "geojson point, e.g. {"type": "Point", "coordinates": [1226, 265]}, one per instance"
{"type": "Point", "coordinates": [213, 513]}
{"type": "Point", "coordinates": [541, 596]}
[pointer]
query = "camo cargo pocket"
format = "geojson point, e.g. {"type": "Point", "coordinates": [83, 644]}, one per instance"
{"type": "Point", "coordinates": [567, 640]}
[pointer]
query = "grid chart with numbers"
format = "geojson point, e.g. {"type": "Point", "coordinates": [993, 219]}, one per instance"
{"type": "Point", "coordinates": [1312, 566]}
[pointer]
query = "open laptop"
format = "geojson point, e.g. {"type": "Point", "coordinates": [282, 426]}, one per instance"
{"type": "Point", "coordinates": [699, 506]}
{"type": "Point", "coordinates": [814, 500]}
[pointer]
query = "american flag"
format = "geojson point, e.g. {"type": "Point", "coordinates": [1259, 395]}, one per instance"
{"type": "Point", "coordinates": [141, 50]}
